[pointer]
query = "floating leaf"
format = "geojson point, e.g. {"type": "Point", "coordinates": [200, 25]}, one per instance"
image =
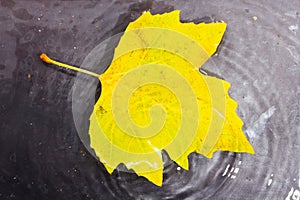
{"type": "Point", "coordinates": [154, 98]}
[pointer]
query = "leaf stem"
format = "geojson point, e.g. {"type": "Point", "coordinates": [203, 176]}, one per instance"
{"type": "Point", "coordinates": [46, 59]}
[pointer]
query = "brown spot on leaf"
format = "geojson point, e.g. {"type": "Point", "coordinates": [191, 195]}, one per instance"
{"type": "Point", "coordinates": [102, 110]}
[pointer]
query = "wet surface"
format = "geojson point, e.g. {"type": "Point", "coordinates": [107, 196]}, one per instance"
{"type": "Point", "coordinates": [41, 153]}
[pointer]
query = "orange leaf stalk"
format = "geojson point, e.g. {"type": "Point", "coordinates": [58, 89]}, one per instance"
{"type": "Point", "coordinates": [46, 59]}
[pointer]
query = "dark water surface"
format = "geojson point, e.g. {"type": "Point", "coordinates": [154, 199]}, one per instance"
{"type": "Point", "coordinates": [41, 153]}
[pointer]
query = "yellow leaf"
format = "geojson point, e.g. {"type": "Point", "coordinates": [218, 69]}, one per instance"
{"type": "Point", "coordinates": [154, 98]}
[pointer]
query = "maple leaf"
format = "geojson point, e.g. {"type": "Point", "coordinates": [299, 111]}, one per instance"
{"type": "Point", "coordinates": [154, 98]}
